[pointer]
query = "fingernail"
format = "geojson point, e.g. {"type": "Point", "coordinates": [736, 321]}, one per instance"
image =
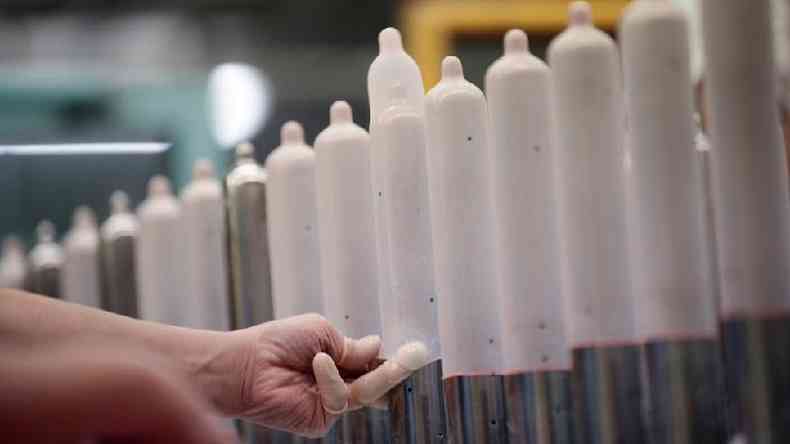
{"type": "Point", "coordinates": [412, 356]}
{"type": "Point", "coordinates": [371, 339]}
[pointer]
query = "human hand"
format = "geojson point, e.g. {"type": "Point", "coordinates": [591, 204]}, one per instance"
{"type": "Point", "coordinates": [300, 374]}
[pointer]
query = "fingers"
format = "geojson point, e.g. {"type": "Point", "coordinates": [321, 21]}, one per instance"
{"type": "Point", "coordinates": [375, 384]}
{"type": "Point", "coordinates": [334, 391]}
{"type": "Point", "coordinates": [359, 354]}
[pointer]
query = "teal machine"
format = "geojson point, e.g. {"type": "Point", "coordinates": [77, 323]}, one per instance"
{"type": "Point", "coordinates": [40, 115]}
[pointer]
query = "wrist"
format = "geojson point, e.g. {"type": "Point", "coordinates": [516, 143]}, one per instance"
{"type": "Point", "coordinates": [215, 365]}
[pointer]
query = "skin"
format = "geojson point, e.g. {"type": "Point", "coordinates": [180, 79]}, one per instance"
{"type": "Point", "coordinates": [90, 374]}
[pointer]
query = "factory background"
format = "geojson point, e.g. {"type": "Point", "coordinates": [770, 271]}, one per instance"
{"type": "Point", "coordinates": [86, 71]}
{"type": "Point", "coordinates": [638, 276]}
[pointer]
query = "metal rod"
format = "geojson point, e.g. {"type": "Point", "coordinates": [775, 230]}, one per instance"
{"type": "Point", "coordinates": [752, 205]}
{"type": "Point", "coordinates": [758, 377]}
{"type": "Point", "coordinates": [46, 261]}
{"type": "Point", "coordinates": [476, 410]}
{"type": "Point", "coordinates": [248, 249]}
{"type": "Point", "coordinates": [540, 408]}
{"type": "Point", "coordinates": [596, 273]}
{"type": "Point", "coordinates": [261, 435]}
{"type": "Point", "coordinates": [607, 395]}
{"type": "Point", "coordinates": [365, 426]}
{"type": "Point", "coordinates": [118, 244]}
{"type": "Point", "coordinates": [686, 392]}
{"type": "Point", "coordinates": [248, 244]}
{"type": "Point", "coordinates": [417, 408]}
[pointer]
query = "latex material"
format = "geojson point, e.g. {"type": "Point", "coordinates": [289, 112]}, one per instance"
{"type": "Point", "coordinates": [671, 282]}
{"type": "Point", "coordinates": [402, 293]}
{"type": "Point", "coordinates": [121, 220]}
{"type": "Point", "coordinates": [80, 278]}
{"type": "Point", "coordinates": [409, 313]}
{"type": "Point", "coordinates": [346, 226]}
{"type": "Point", "coordinates": [518, 86]}
{"type": "Point", "coordinates": [293, 225]}
{"type": "Point", "coordinates": [750, 167]}
{"type": "Point", "coordinates": [591, 183]}
{"type": "Point", "coordinates": [337, 396]}
{"type": "Point", "coordinates": [13, 265]}
{"type": "Point", "coordinates": [47, 252]}
{"type": "Point", "coordinates": [469, 321]}
{"type": "Point", "coordinates": [203, 207]}
{"type": "Point", "coordinates": [161, 272]}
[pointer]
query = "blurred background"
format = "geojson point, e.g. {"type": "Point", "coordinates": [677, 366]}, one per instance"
{"type": "Point", "coordinates": [98, 95]}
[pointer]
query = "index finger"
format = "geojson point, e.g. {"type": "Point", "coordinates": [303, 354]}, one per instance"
{"type": "Point", "coordinates": [376, 383]}
{"type": "Point", "coordinates": [360, 354]}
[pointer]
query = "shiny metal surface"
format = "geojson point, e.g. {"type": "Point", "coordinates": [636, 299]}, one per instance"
{"type": "Point", "coordinates": [364, 426]}
{"type": "Point", "coordinates": [540, 408]}
{"type": "Point", "coordinates": [475, 410]}
{"type": "Point", "coordinates": [757, 373]}
{"type": "Point", "coordinates": [417, 411]}
{"type": "Point", "coordinates": [44, 280]}
{"type": "Point", "coordinates": [46, 262]}
{"type": "Point", "coordinates": [332, 436]}
{"type": "Point", "coordinates": [685, 388]}
{"type": "Point", "coordinates": [302, 440]}
{"type": "Point", "coordinates": [248, 251]}
{"type": "Point", "coordinates": [119, 286]}
{"type": "Point", "coordinates": [262, 435]}
{"type": "Point", "coordinates": [607, 395]}
{"type": "Point", "coordinates": [248, 244]}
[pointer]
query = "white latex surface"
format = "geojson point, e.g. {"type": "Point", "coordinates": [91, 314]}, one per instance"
{"type": "Point", "coordinates": [518, 86]}
{"type": "Point", "coordinates": [400, 189]}
{"type": "Point", "coordinates": [591, 185]}
{"type": "Point", "coordinates": [749, 162]}
{"type": "Point", "coordinates": [413, 315]}
{"type": "Point", "coordinates": [204, 231]}
{"type": "Point", "coordinates": [46, 252]}
{"type": "Point", "coordinates": [12, 264]}
{"type": "Point", "coordinates": [346, 225]}
{"type": "Point", "coordinates": [293, 226]}
{"type": "Point", "coordinates": [671, 281]}
{"type": "Point", "coordinates": [160, 256]}
{"type": "Point", "coordinates": [80, 279]}
{"type": "Point", "coordinates": [469, 322]}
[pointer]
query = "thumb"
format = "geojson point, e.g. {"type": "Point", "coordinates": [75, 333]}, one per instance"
{"type": "Point", "coordinates": [333, 390]}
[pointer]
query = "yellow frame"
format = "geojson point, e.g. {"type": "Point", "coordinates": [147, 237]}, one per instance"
{"type": "Point", "coordinates": [429, 26]}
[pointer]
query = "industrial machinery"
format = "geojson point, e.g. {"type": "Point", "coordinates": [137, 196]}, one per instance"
{"type": "Point", "coordinates": [581, 263]}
